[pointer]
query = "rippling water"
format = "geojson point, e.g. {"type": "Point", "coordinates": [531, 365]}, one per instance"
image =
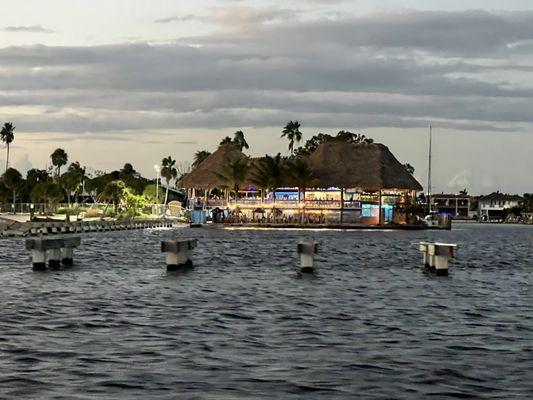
{"type": "Point", "coordinates": [243, 325]}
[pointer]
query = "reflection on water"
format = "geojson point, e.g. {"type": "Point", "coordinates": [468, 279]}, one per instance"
{"type": "Point", "coordinates": [244, 324]}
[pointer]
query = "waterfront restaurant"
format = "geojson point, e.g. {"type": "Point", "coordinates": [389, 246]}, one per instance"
{"type": "Point", "coordinates": [351, 184]}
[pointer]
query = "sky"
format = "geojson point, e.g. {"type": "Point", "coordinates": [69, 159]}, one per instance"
{"type": "Point", "coordinates": [116, 81]}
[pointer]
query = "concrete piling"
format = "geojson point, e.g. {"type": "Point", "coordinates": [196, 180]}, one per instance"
{"type": "Point", "coordinates": [60, 249]}
{"type": "Point", "coordinates": [436, 256]}
{"type": "Point", "coordinates": [178, 252]}
{"type": "Point", "coordinates": [307, 251]}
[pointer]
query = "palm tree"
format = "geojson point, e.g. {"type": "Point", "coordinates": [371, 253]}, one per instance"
{"type": "Point", "coordinates": [168, 171]}
{"type": "Point", "coordinates": [227, 139]}
{"type": "Point", "coordinates": [261, 177]}
{"type": "Point", "coordinates": [7, 135]}
{"type": "Point", "coordinates": [200, 156]}
{"type": "Point", "coordinates": [59, 158]}
{"type": "Point", "coordinates": [234, 174]}
{"type": "Point", "coordinates": [302, 175]}
{"type": "Point", "coordinates": [238, 138]}
{"type": "Point", "coordinates": [268, 173]}
{"type": "Point", "coordinates": [292, 133]}
{"type": "Point", "coordinates": [13, 181]}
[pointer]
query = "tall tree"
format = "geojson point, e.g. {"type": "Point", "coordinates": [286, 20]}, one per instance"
{"type": "Point", "coordinates": [292, 133]}
{"type": "Point", "coordinates": [114, 192]}
{"type": "Point", "coordinates": [48, 192]}
{"type": "Point", "coordinates": [200, 156]}
{"type": "Point", "coordinates": [59, 158]}
{"type": "Point", "coordinates": [268, 173]}
{"type": "Point", "coordinates": [239, 140]}
{"type": "Point", "coordinates": [7, 135]}
{"type": "Point", "coordinates": [13, 181]}
{"type": "Point", "coordinates": [72, 180]}
{"type": "Point", "coordinates": [302, 175]}
{"type": "Point", "coordinates": [234, 174]}
{"type": "Point", "coordinates": [168, 171]}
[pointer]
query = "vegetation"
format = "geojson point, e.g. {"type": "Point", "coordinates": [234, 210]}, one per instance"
{"type": "Point", "coordinates": [292, 133]}
{"type": "Point", "coordinates": [409, 168]}
{"type": "Point", "coordinates": [13, 181]}
{"type": "Point", "coordinates": [169, 172]}
{"type": "Point", "coordinates": [302, 175]}
{"type": "Point", "coordinates": [238, 139]}
{"type": "Point", "coordinates": [59, 158]}
{"type": "Point", "coordinates": [150, 195]}
{"type": "Point", "coordinates": [342, 136]}
{"type": "Point", "coordinates": [7, 135]}
{"type": "Point", "coordinates": [47, 192]}
{"type": "Point", "coordinates": [270, 171]}
{"type": "Point", "coordinates": [200, 156]}
{"type": "Point", "coordinates": [235, 174]}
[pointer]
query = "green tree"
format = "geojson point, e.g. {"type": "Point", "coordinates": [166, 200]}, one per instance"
{"type": "Point", "coordinates": [150, 193]}
{"type": "Point", "coordinates": [200, 156]}
{"type": "Point", "coordinates": [59, 158]}
{"type": "Point", "coordinates": [13, 181]}
{"type": "Point", "coordinates": [342, 136]}
{"type": "Point", "coordinates": [234, 174]}
{"type": "Point", "coordinates": [302, 175]}
{"type": "Point", "coordinates": [7, 135]}
{"type": "Point", "coordinates": [268, 173]}
{"type": "Point", "coordinates": [128, 171]}
{"type": "Point", "coordinates": [5, 192]}
{"type": "Point", "coordinates": [48, 192]}
{"type": "Point", "coordinates": [168, 171]}
{"type": "Point", "coordinates": [292, 133]}
{"type": "Point", "coordinates": [114, 193]}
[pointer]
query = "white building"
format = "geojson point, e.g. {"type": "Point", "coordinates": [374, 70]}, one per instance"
{"type": "Point", "coordinates": [492, 207]}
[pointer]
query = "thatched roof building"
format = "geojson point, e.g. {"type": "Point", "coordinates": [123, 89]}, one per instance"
{"type": "Point", "coordinates": [205, 174]}
{"type": "Point", "coordinates": [370, 166]}
{"type": "Point", "coordinates": [340, 164]}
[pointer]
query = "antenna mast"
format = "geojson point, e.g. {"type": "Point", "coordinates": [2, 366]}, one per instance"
{"type": "Point", "coordinates": [429, 167]}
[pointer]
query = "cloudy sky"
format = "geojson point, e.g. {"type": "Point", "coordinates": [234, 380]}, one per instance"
{"type": "Point", "coordinates": [113, 81]}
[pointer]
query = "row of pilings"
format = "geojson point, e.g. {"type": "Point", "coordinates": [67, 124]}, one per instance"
{"type": "Point", "coordinates": [55, 228]}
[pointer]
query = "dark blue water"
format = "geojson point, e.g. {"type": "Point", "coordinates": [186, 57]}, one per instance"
{"type": "Point", "coordinates": [243, 325]}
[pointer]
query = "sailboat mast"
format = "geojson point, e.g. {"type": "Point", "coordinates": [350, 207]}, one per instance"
{"type": "Point", "coordinates": [429, 167]}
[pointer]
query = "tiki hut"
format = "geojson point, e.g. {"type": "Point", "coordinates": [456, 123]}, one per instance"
{"type": "Point", "coordinates": [370, 166]}
{"type": "Point", "coordinates": [205, 175]}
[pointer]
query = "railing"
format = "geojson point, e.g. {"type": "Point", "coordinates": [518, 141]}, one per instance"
{"type": "Point", "coordinates": [278, 203]}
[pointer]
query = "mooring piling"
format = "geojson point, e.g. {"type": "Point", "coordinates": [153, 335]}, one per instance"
{"type": "Point", "coordinates": [178, 252]}
{"type": "Point", "coordinates": [59, 249]}
{"type": "Point", "coordinates": [307, 251]}
{"type": "Point", "coordinates": [436, 256]}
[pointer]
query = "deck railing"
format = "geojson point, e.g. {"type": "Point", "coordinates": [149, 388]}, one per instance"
{"type": "Point", "coordinates": [278, 203]}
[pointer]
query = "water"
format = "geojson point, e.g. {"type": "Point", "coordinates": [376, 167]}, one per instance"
{"type": "Point", "coordinates": [243, 325]}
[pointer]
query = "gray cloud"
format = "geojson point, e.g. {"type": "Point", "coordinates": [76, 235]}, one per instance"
{"type": "Point", "coordinates": [175, 18]}
{"type": "Point", "coordinates": [388, 70]}
{"type": "Point", "coordinates": [30, 29]}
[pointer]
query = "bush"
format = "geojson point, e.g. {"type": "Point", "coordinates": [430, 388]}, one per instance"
{"type": "Point", "coordinates": [93, 213]}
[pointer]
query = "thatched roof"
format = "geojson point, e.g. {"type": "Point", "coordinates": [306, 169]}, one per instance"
{"type": "Point", "coordinates": [367, 166]}
{"type": "Point", "coordinates": [205, 174]}
{"type": "Point", "coordinates": [370, 166]}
